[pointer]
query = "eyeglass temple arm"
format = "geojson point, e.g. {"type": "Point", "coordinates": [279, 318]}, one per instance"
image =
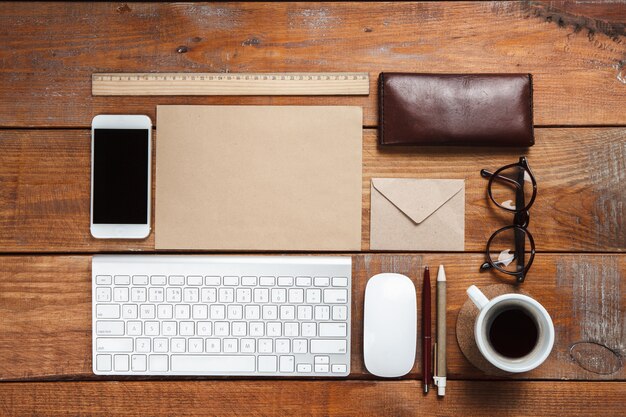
{"type": "Point", "coordinates": [488, 174]}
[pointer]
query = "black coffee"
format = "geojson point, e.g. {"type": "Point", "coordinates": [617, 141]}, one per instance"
{"type": "Point", "coordinates": [513, 333]}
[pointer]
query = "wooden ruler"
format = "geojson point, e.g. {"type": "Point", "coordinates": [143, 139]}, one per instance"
{"type": "Point", "coordinates": [231, 84]}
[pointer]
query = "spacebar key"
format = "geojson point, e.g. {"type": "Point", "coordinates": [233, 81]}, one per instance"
{"type": "Point", "coordinates": [214, 363]}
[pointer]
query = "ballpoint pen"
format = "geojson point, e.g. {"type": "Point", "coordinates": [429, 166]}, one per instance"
{"type": "Point", "coordinates": [440, 344]}
{"type": "Point", "coordinates": [426, 330]}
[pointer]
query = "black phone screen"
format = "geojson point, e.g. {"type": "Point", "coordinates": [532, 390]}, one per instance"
{"type": "Point", "coordinates": [120, 176]}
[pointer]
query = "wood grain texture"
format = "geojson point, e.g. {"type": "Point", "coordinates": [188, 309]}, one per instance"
{"type": "Point", "coordinates": [45, 303]}
{"type": "Point", "coordinates": [311, 398]}
{"type": "Point", "coordinates": [581, 175]}
{"type": "Point", "coordinates": [48, 52]}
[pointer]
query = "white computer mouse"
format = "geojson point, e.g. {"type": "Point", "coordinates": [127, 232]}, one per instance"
{"type": "Point", "coordinates": [389, 325]}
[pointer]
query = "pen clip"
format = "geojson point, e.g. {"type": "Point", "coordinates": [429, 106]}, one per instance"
{"type": "Point", "coordinates": [434, 355]}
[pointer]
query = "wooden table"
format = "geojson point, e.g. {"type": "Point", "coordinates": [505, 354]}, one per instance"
{"type": "Point", "coordinates": [577, 55]}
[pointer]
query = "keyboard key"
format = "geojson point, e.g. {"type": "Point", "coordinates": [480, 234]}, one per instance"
{"type": "Point", "coordinates": [186, 328]}
{"type": "Point", "coordinates": [340, 282]}
{"type": "Point", "coordinates": [177, 280]}
{"type": "Point", "coordinates": [267, 281]}
{"type": "Point", "coordinates": [287, 312]}
{"type": "Point", "coordinates": [313, 296]}
{"type": "Point", "coordinates": [158, 280]}
{"type": "Point", "coordinates": [335, 296]}
{"type": "Point", "coordinates": [322, 360]}
{"type": "Point", "coordinates": [217, 312]}
{"type": "Point", "coordinates": [309, 329]}
{"type": "Point", "coordinates": [134, 328]}
{"type": "Point", "coordinates": [239, 328]}
{"type": "Point", "coordinates": [279, 295]}
{"type": "Point", "coordinates": [267, 363]}
{"type": "Point", "coordinates": [213, 346]}
{"type": "Point", "coordinates": [340, 313]}
{"type": "Point", "coordinates": [234, 312]}
{"type": "Point", "coordinates": [205, 328]}
{"type": "Point", "coordinates": [285, 281]}
{"type": "Point", "coordinates": [270, 312]}
{"type": "Point", "coordinates": [138, 363]}
{"type": "Point", "coordinates": [231, 281]}
{"type": "Point", "coordinates": [212, 281]}
{"type": "Point", "coordinates": [321, 368]}
{"type": "Point", "coordinates": [151, 328]}
{"type": "Point", "coordinates": [304, 367]}
{"type": "Point", "coordinates": [287, 363]}
{"type": "Point", "coordinates": [108, 311]}
{"type": "Point", "coordinates": [138, 295]}
{"type": "Point", "coordinates": [322, 313]}
{"type": "Point", "coordinates": [165, 311]}
{"type": "Point", "coordinates": [231, 346]}
{"type": "Point", "coordinates": [274, 329]}
{"type": "Point", "coordinates": [190, 295]}
{"type": "Point", "coordinates": [110, 328]}
{"type": "Point", "coordinates": [300, 346]}
{"type": "Point", "coordinates": [321, 281]}
{"type": "Point", "coordinates": [140, 280]}
{"type": "Point", "coordinates": [120, 363]}
{"type": "Point", "coordinates": [265, 345]}
{"type": "Point", "coordinates": [199, 312]}
{"type": "Point", "coordinates": [328, 346]}
{"type": "Point", "coordinates": [178, 345]}
{"type": "Point", "coordinates": [103, 279]}
{"type": "Point", "coordinates": [110, 344]}
{"type": "Point", "coordinates": [169, 328]}
{"type": "Point", "coordinates": [333, 329]}
{"type": "Point", "coordinates": [252, 312]}
{"type": "Point", "coordinates": [208, 295]}
{"type": "Point", "coordinates": [143, 344]}
{"type": "Point", "coordinates": [261, 295]}
{"type": "Point", "coordinates": [296, 295]}
{"type": "Point", "coordinates": [160, 345]}
{"type": "Point", "coordinates": [226, 295]}
{"type": "Point", "coordinates": [103, 363]}
{"type": "Point", "coordinates": [173, 295]}
{"type": "Point", "coordinates": [156, 295]}
{"type": "Point", "coordinates": [204, 363]}
{"type": "Point", "coordinates": [194, 280]}
{"type": "Point", "coordinates": [291, 329]}
{"type": "Point", "coordinates": [248, 281]}
{"type": "Point", "coordinates": [303, 281]}
{"type": "Point", "coordinates": [182, 311]}
{"type": "Point", "coordinates": [103, 295]}
{"type": "Point", "coordinates": [244, 295]}
{"type": "Point", "coordinates": [283, 346]}
{"type": "Point", "coordinates": [158, 363]}
{"type": "Point", "coordinates": [196, 345]}
{"type": "Point", "coordinates": [305, 312]}
{"type": "Point", "coordinates": [120, 294]}
{"type": "Point", "coordinates": [257, 329]}
{"type": "Point", "coordinates": [248, 345]}
{"type": "Point", "coordinates": [147, 311]}
{"type": "Point", "coordinates": [122, 280]}
{"type": "Point", "coordinates": [221, 328]}
{"type": "Point", "coordinates": [339, 368]}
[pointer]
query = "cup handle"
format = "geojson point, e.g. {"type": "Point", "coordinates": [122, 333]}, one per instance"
{"type": "Point", "coordinates": [477, 297]}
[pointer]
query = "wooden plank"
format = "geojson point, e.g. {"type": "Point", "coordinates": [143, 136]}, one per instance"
{"type": "Point", "coordinates": [581, 174]}
{"type": "Point", "coordinates": [356, 398]}
{"type": "Point", "coordinates": [576, 55]}
{"type": "Point", "coordinates": [45, 305]}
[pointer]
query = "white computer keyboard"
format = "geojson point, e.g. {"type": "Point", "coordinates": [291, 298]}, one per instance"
{"type": "Point", "coordinates": [221, 315]}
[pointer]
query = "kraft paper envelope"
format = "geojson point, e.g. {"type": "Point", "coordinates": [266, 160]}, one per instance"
{"type": "Point", "coordinates": [258, 178]}
{"type": "Point", "coordinates": [415, 214]}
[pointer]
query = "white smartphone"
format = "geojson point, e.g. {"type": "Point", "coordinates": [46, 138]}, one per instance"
{"type": "Point", "coordinates": [121, 165]}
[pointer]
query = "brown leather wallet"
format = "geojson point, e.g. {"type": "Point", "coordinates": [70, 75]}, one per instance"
{"type": "Point", "coordinates": [456, 109]}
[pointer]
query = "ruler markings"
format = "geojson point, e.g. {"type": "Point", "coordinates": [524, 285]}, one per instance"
{"type": "Point", "coordinates": [230, 84]}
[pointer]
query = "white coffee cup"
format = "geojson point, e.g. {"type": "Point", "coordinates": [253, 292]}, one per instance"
{"type": "Point", "coordinates": [491, 309]}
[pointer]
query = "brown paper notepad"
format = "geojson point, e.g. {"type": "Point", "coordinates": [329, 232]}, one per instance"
{"type": "Point", "coordinates": [258, 177]}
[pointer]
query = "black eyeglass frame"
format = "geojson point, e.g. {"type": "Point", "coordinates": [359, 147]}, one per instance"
{"type": "Point", "coordinates": [520, 220]}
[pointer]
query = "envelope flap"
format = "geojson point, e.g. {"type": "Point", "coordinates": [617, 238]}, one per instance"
{"type": "Point", "coordinates": [417, 198]}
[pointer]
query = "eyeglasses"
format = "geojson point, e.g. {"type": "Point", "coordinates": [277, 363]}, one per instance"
{"type": "Point", "coordinates": [511, 249]}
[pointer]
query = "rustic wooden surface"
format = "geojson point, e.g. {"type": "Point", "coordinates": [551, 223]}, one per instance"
{"type": "Point", "coordinates": [576, 52]}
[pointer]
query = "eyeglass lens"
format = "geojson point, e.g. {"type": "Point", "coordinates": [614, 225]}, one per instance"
{"type": "Point", "coordinates": [512, 188]}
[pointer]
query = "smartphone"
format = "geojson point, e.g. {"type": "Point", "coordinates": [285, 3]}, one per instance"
{"type": "Point", "coordinates": [121, 161]}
